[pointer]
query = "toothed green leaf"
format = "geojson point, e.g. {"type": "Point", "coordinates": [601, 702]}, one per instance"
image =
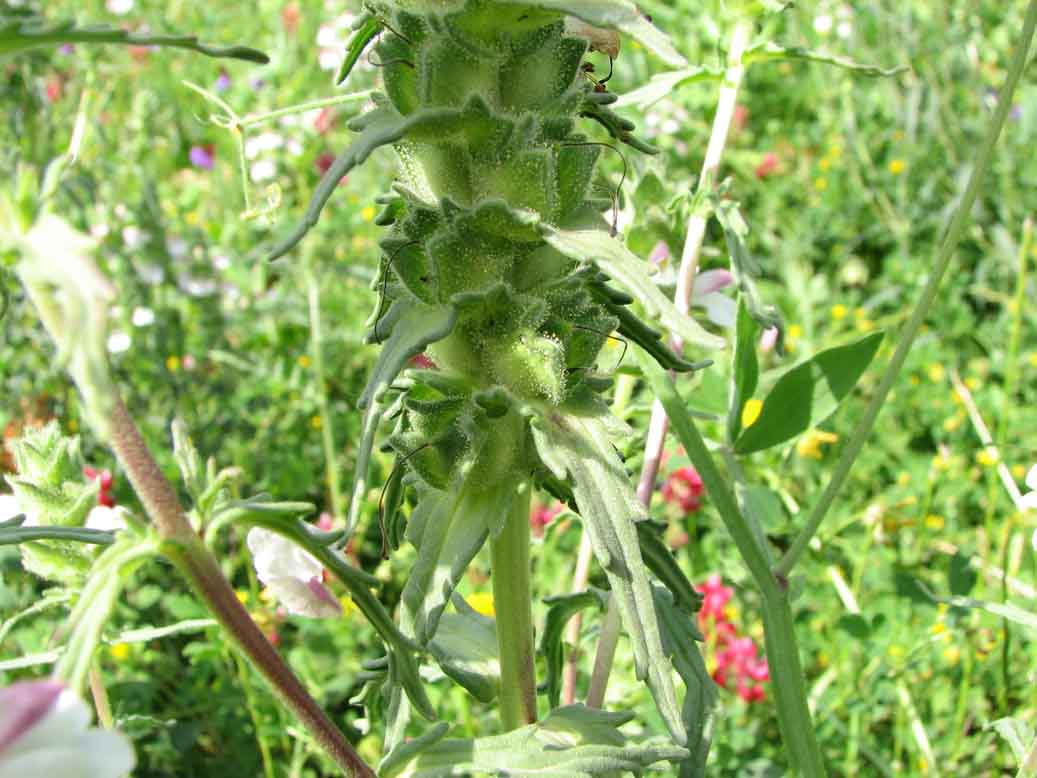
{"type": "Point", "coordinates": [571, 742]}
{"type": "Point", "coordinates": [630, 273]}
{"type": "Point", "coordinates": [580, 447]}
{"type": "Point", "coordinates": [414, 326]}
{"type": "Point", "coordinates": [448, 529]}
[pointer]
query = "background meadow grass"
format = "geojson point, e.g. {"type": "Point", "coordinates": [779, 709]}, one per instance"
{"type": "Point", "coordinates": [847, 184]}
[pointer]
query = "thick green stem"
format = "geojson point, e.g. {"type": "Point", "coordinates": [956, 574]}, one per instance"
{"type": "Point", "coordinates": [794, 719]}
{"type": "Point", "coordinates": [513, 603]}
{"type": "Point", "coordinates": [925, 302]}
{"type": "Point", "coordinates": [186, 550]}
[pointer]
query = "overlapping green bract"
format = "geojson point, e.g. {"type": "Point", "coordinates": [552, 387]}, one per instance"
{"type": "Point", "coordinates": [496, 263]}
{"type": "Point", "coordinates": [52, 491]}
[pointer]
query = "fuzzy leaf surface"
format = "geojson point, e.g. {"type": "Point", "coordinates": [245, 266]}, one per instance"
{"type": "Point", "coordinates": [571, 742]}
{"type": "Point", "coordinates": [414, 327]}
{"type": "Point", "coordinates": [580, 446]}
{"type": "Point", "coordinates": [628, 271]}
{"type": "Point", "coordinates": [465, 646]}
{"type": "Point", "coordinates": [448, 529]}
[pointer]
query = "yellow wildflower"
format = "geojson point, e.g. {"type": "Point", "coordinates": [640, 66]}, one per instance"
{"type": "Point", "coordinates": [367, 213]}
{"type": "Point", "coordinates": [988, 457]}
{"type": "Point", "coordinates": [821, 183]}
{"type": "Point", "coordinates": [895, 651]}
{"type": "Point", "coordinates": [1033, 359]}
{"type": "Point", "coordinates": [1017, 470]}
{"type": "Point", "coordinates": [839, 311]}
{"type": "Point", "coordinates": [810, 444]}
{"type": "Point", "coordinates": [73, 425]}
{"type": "Point", "coordinates": [951, 423]}
{"type": "Point", "coordinates": [304, 361]}
{"type": "Point", "coordinates": [937, 372]}
{"type": "Point", "coordinates": [316, 422]}
{"type": "Point", "coordinates": [751, 412]}
{"type": "Point", "coordinates": [348, 606]}
{"type": "Point", "coordinates": [824, 163]}
{"type": "Point", "coordinates": [481, 602]}
{"type": "Point", "coordinates": [897, 166]}
{"type": "Point", "coordinates": [119, 651]}
{"type": "Point", "coordinates": [192, 218]}
{"type": "Point", "coordinates": [172, 363]}
{"type": "Point", "coordinates": [865, 325]}
{"type": "Point", "coordinates": [952, 655]}
{"type": "Point", "coordinates": [903, 478]}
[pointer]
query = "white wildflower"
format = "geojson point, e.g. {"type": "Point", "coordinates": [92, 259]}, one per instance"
{"type": "Point", "coordinates": [44, 730]}
{"type": "Point", "coordinates": [291, 574]}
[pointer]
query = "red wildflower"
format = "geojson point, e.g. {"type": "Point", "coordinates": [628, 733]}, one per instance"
{"type": "Point", "coordinates": [736, 657]}
{"type": "Point", "coordinates": [768, 165]}
{"type": "Point", "coordinates": [104, 496]}
{"type": "Point", "coordinates": [543, 515]}
{"type": "Point", "coordinates": [684, 487]}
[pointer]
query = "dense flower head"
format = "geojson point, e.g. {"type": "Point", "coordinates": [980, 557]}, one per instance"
{"type": "Point", "coordinates": [684, 488]}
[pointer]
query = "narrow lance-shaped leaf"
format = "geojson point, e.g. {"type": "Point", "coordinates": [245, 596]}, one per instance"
{"type": "Point", "coordinates": [662, 563]}
{"type": "Point", "coordinates": [365, 32]}
{"type": "Point", "coordinates": [773, 52]}
{"type": "Point", "coordinates": [18, 33]}
{"type": "Point", "coordinates": [664, 84]}
{"type": "Point", "coordinates": [629, 272]}
{"type": "Point", "coordinates": [808, 394]}
{"type": "Point", "coordinates": [561, 608]}
{"type": "Point", "coordinates": [680, 638]}
{"type": "Point", "coordinates": [571, 742]}
{"type": "Point", "coordinates": [580, 447]}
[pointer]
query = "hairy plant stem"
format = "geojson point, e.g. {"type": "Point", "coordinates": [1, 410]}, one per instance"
{"type": "Point", "coordinates": [513, 604]}
{"type": "Point", "coordinates": [925, 302]}
{"type": "Point", "coordinates": [658, 424]}
{"type": "Point", "coordinates": [185, 549]}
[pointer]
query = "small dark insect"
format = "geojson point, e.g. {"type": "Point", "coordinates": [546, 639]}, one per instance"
{"type": "Point", "coordinates": [624, 341]}
{"type": "Point", "coordinates": [614, 229]}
